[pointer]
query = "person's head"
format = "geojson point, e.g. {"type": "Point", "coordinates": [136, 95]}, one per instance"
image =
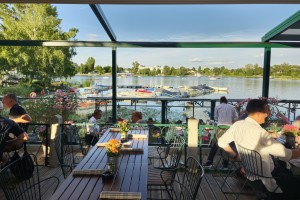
{"type": "Point", "coordinates": [258, 110]}
{"type": "Point", "coordinates": [223, 99]}
{"type": "Point", "coordinates": [150, 121]}
{"type": "Point", "coordinates": [136, 116]}
{"type": "Point", "coordinates": [9, 100]}
{"type": "Point", "coordinates": [97, 114]}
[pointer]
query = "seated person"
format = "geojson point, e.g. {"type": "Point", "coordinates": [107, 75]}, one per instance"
{"type": "Point", "coordinates": [137, 117]}
{"type": "Point", "coordinates": [93, 131]}
{"type": "Point", "coordinates": [16, 112]}
{"type": "Point", "coordinates": [150, 121]}
{"type": "Point", "coordinates": [249, 134]}
{"type": "Point", "coordinates": [12, 136]}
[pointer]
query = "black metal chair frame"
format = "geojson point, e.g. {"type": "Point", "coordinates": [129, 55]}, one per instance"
{"type": "Point", "coordinates": [189, 184]}
{"type": "Point", "coordinates": [64, 154]}
{"type": "Point", "coordinates": [252, 164]}
{"type": "Point", "coordinates": [30, 188]}
{"type": "Point", "coordinates": [167, 167]}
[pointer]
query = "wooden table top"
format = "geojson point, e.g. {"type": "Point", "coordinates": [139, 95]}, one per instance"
{"type": "Point", "coordinates": [130, 177]}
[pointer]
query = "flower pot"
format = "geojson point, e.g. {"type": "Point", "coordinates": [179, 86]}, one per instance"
{"type": "Point", "coordinates": [124, 136]}
{"type": "Point", "coordinates": [112, 163]}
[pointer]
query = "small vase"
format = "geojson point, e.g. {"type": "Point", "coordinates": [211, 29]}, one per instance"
{"type": "Point", "coordinates": [124, 136]}
{"type": "Point", "coordinates": [112, 163]}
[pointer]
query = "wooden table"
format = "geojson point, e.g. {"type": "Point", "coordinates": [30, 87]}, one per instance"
{"type": "Point", "coordinates": [130, 177]}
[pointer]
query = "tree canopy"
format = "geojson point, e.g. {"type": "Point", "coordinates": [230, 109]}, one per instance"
{"type": "Point", "coordinates": [35, 22]}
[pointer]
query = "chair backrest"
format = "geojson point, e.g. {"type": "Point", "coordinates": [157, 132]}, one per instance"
{"type": "Point", "coordinates": [174, 153]}
{"type": "Point", "coordinates": [252, 163]}
{"type": "Point", "coordinates": [191, 180]}
{"type": "Point", "coordinates": [64, 154]}
{"type": "Point", "coordinates": [15, 188]}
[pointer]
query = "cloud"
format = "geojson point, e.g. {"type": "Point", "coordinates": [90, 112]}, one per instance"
{"type": "Point", "coordinates": [92, 37]}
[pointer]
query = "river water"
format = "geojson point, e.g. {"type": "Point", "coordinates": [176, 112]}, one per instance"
{"type": "Point", "coordinates": [238, 88]}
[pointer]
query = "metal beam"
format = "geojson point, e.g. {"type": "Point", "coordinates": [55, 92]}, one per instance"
{"type": "Point", "coordinates": [128, 44]}
{"type": "Point", "coordinates": [266, 72]}
{"type": "Point", "coordinates": [155, 1]}
{"type": "Point", "coordinates": [114, 85]}
{"type": "Point", "coordinates": [102, 19]}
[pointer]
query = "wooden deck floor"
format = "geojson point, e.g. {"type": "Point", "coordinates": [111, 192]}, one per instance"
{"type": "Point", "coordinates": [209, 188]}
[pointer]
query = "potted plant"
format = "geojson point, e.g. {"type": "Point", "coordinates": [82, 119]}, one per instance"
{"type": "Point", "coordinates": [290, 132]}
{"type": "Point", "coordinates": [124, 128]}
{"type": "Point", "coordinates": [113, 148]}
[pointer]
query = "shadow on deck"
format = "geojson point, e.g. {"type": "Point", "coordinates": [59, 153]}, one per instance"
{"type": "Point", "coordinates": [209, 188]}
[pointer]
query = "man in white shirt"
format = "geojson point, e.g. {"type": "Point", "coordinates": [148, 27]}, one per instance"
{"type": "Point", "coordinates": [225, 114]}
{"type": "Point", "coordinates": [249, 134]}
{"type": "Point", "coordinates": [93, 128]}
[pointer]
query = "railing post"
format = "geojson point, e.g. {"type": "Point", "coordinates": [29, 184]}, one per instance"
{"type": "Point", "coordinates": [212, 109]}
{"type": "Point", "coordinates": [163, 111]}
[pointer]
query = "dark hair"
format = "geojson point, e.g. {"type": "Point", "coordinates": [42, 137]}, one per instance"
{"type": "Point", "coordinates": [256, 105]}
{"type": "Point", "coordinates": [97, 111]}
{"type": "Point", "coordinates": [223, 100]}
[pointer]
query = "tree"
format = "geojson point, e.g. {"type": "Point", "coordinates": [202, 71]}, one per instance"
{"type": "Point", "coordinates": [135, 67]}
{"type": "Point", "coordinates": [35, 22]}
{"type": "Point", "coordinates": [90, 64]}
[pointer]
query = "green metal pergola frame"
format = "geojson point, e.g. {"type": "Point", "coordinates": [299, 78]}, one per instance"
{"type": "Point", "coordinates": [281, 40]}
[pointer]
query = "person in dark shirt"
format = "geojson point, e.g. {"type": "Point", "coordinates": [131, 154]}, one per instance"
{"type": "Point", "coordinates": [12, 136]}
{"type": "Point", "coordinates": [16, 112]}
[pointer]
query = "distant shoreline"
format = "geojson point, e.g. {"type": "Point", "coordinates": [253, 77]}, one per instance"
{"type": "Point", "coordinates": [271, 77]}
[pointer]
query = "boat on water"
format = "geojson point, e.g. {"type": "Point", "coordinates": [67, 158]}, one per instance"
{"type": "Point", "coordinates": [145, 90]}
{"type": "Point", "coordinates": [220, 88]}
{"type": "Point", "coordinates": [213, 78]}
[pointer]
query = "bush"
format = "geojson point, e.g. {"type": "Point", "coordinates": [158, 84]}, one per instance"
{"type": "Point", "coordinates": [19, 90]}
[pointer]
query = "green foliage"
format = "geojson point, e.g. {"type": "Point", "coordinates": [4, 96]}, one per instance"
{"type": "Point", "coordinates": [19, 90]}
{"type": "Point", "coordinates": [35, 22]}
{"type": "Point", "coordinates": [87, 83]}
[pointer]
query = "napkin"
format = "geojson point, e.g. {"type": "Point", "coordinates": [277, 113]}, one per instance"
{"type": "Point", "coordinates": [137, 136]}
{"type": "Point", "coordinates": [102, 144]}
{"type": "Point", "coordinates": [88, 172]}
{"type": "Point", "coordinates": [120, 195]}
{"type": "Point", "coordinates": [114, 130]}
{"type": "Point", "coordinates": [127, 144]}
{"type": "Point", "coordinates": [132, 150]}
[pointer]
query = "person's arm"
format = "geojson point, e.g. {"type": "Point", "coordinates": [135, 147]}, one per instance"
{"type": "Point", "coordinates": [234, 116]}
{"type": "Point", "coordinates": [295, 153]}
{"type": "Point", "coordinates": [216, 114]}
{"type": "Point", "coordinates": [225, 140]}
{"type": "Point", "coordinates": [16, 142]}
{"type": "Point", "coordinates": [25, 118]}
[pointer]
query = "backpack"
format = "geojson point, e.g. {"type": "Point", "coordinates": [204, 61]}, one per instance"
{"type": "Point", "coordinates": [22, 167]}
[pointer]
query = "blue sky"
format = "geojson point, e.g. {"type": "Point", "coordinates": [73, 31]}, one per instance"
{"type": "Point", "coordinates": [205, 23]}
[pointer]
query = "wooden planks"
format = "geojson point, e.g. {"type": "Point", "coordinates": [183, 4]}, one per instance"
{"type": "Point", "coordinates": [130, 177]}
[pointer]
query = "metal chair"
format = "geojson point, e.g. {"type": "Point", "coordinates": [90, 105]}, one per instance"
{"type": "Point", "coordinates": [253, 166]}
{"type": "Point", "coordinates": [166, 166]}
{"type": "Point", "coordinates": [185, 188]}
{"type": "Point", "coordinates": [168, 156]}
{"type": "Point", "coordinates": [64, 154]}
{"type": "Point", "coordinates": [30, 188]}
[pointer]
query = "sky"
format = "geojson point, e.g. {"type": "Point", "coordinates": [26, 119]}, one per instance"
{"type": "Point", "coordinates": [194, 23]}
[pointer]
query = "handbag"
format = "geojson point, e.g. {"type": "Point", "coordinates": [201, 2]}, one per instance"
{"type": "Point", "coordinates": [22, 167]}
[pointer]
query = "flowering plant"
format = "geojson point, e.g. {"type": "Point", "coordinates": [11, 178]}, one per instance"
{"type": "Point", "coordinates": [124, 126]}
{"type": "Point", "coordinates": [275, 116]}
{"type": "Point", "coordinates": [61, 103]}
{"type": "Point", "coordinates": [113, 147]}
{"type": "Point", "coordinates": [289, 129]}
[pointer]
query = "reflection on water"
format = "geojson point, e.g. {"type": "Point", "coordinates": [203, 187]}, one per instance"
{"type": "Point", "coordinates": [239, 88]}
